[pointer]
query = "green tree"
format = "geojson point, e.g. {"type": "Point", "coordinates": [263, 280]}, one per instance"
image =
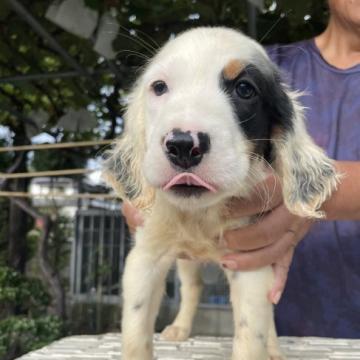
{"type": "Point", "coordinates": [30, 328]}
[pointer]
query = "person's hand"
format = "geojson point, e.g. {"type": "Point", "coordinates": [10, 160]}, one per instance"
{"type": "Point", "coordinates": [132, 216]}
{"type": "Point", "coordinates": [269, 241]}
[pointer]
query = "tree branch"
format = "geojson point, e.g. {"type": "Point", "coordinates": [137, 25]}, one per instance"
{"type": "Point", "coordinates": [13, 168]}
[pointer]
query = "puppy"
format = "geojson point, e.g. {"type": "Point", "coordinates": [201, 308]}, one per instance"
{"type": "Point", "coordinates": [206, 119]}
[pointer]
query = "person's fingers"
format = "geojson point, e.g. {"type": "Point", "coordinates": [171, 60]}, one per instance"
{"type": "Point", "coordinates": [132, 215]}
{"type": "Point", "coordinates": [265, 196]}
{"type": "Point", "coordinates": [266, 231]}
{"type": "Point", "coordinates": [281, 270]}
{"type": "Point", "coordinates": [250, 237]}
{"type": "Point", "coordinates": [259, 258]}
{"type": "Point", "coordinates": [282, 266]}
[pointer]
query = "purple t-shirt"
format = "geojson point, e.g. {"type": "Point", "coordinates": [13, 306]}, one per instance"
{"type": "Point", "coordinates": [322, 297]}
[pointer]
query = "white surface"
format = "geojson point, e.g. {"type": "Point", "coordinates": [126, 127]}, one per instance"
{"type": "Point", "coordinates": [108, 347]}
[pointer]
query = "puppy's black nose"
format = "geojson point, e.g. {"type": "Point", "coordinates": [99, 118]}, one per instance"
{"type": "Point", "coordinates": [186, 149]}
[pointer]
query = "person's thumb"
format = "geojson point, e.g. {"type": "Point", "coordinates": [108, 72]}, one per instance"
{"type": "Point", "coordinates": [281, 270]}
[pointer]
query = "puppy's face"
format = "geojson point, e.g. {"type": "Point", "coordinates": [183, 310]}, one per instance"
{"type": "Point", "coordinates": [206, 115]}
{"type": "Point", "coordinates": [209, 114]}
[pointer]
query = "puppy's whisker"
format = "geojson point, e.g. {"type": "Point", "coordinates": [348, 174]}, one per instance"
{"type": "Point", "coordinates": [134, 33]}
{"type": "Point", "coordinates": [136, 40]}
{"type": "Point", "coordinates": [155, 44]}
{"type": "Point", "coordinates": [134, 53]}
{"type": "Point", "coordinates": [273, 26]}
{"type": "Point", "coordinates": [248, 119]}
{"type": "Point", "coordinates": [264, 193]}
{"type": "Point", "coordinates": [257, 157]}
{"type": "Point", "coordinates": [265, 139]}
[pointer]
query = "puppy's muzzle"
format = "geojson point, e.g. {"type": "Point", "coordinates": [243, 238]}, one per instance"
{"type": "Point", "coordinates": [185, 149]}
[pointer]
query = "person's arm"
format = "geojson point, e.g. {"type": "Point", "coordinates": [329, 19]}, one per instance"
{"type": "Point", "coordinates": [132, 216]}
{"type": "Point", "coordinates": [344, 204]}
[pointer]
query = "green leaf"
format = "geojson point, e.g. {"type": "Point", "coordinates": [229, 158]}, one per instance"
{"type": "Point", "coordinates": [26, 334]}
{"type": "Point", "coordinates": [94, 4]}
{"type": "Point", "coordinates": [4, 10]}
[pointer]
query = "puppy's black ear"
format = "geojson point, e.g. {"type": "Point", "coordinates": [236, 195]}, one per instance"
{"type": "Point", "coordinates": [123, 166]}
{"type": "Point", "coordinates": [308, 176]}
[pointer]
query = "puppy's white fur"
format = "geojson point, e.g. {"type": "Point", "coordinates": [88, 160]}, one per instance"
{"type": "Point", "coordinates": [138, 169]}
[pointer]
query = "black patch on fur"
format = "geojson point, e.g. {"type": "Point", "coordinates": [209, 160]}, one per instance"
{"type": "Point", "coordinates": [181, 150]}
{"type": "Point", "coordinates": [204, 142]}
{"type": "Point", "coordinates": [258, 116]}
{"type": "Point", "coordinates": [138, 306]}
{"type": "Point", "coordinates": [261, 338]}
{"type": "Point", "coordinates": [243, 322]}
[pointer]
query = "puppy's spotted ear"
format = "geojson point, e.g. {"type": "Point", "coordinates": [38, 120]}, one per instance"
{"type": "Point", "coordinates": [308, 176]}
{"type": "Point", "coordinates": [123, 166]}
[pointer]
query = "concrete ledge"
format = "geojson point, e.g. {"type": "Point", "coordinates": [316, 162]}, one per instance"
{"type": "Point", "coordinates": [108, 347]}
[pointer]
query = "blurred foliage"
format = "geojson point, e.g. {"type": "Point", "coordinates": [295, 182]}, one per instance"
{"type": "Point", "coordinates": [15, 289]}
{"type": "Point", "coordinates": [20, 334]}
{"type": "Point", "coordinates": [58, 252]}
{"type": "Point", "coordinates": [5, 158]}
{"type": "Point", "coordinates": [31, 328]}
{"type": "Point", "coordinates": [4, 214]}
{"type": "Point", "coordinates": [5, 162]}
{"type": "Point", "coordinates": [299, 20]}
{"type": "Point", "coordinates": [59, 159]}
{"type": "Point", "coordinates": [59, 241]}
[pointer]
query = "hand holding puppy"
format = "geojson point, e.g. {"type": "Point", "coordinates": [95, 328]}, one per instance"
{"type": "Point", "coordinates": [270, 240]}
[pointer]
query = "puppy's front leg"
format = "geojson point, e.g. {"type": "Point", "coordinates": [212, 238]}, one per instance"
{"type": "Point", "coordinates": [252, 312]}
{"type": "Point", "coordinates": [191, 287]}
{"type": "Point", "coordinates": [143, 287]}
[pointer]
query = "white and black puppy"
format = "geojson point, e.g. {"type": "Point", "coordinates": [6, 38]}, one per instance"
{"type": "Point", "coordinates": [206, 118]}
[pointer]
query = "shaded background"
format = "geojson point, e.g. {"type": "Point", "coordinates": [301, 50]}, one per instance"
{"type": "Point", "coordinates": [55, 87]}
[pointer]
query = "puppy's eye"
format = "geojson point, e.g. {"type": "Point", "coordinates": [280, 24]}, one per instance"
{"type": "Point", "coordinates": [245, 90]}
{"type": "Point", "coordinates": [159, 87]}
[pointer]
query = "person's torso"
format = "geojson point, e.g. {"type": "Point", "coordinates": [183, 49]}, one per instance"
{"type": "Point", "coordinates": [323, 293]}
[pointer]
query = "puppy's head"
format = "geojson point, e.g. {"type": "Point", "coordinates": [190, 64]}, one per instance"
{"type": "Point", "coordinates": [205, 118]}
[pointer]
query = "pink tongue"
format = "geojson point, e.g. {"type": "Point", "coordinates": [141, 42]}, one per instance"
{"type": "Point", "coordinates": [188, 179]}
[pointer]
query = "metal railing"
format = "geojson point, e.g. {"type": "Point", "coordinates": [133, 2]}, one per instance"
{"type": "Point", "coordinates": [101, 244]}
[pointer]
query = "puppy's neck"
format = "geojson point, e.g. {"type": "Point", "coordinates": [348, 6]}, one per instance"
{"type": "Point", "coordinates": [197, 233]}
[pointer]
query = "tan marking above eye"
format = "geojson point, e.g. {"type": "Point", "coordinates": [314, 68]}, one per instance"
{"type": "Point", "coordinates": [233, 69]}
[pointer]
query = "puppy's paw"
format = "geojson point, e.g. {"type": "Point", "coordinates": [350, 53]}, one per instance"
{"type": "Point", "coordinates": [275, 353]}
{"type": "Point", "coordinates": [274, 349]}
{"type": "Point", "coordinates": [175, 333]}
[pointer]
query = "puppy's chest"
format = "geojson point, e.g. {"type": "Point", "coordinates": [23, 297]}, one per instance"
{"type": "Point", "coordinates": [200, 236]}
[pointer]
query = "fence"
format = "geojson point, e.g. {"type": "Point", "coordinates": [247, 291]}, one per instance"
{"type": "Point", "coordinates": [101, 244]}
